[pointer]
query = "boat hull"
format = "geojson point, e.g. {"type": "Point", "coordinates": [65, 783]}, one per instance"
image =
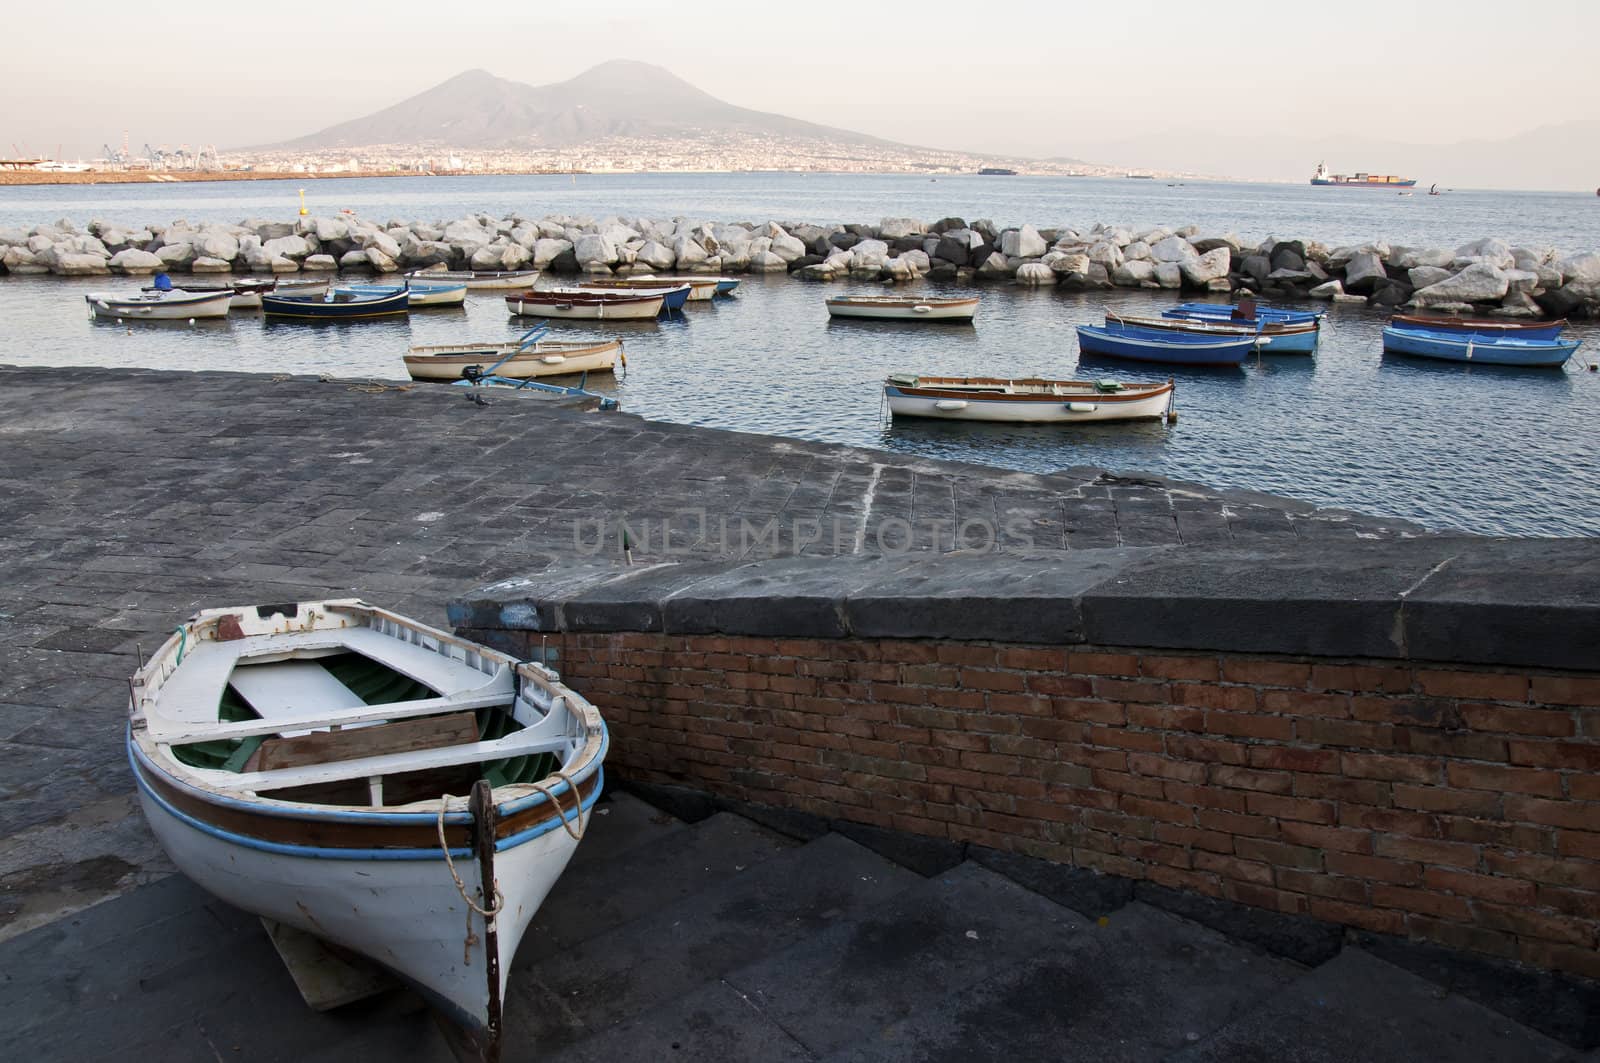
{"type": "Point", "coordinates": [585, 310]}
{"type": "Point", "coordinates": [1525, 330]}
{"type": "Point", "coordinates": [960, 310]}
{"type": "Point", "coordinates": [1165, 350]}
{"type": "Point", "coordinates": [344, 308]}
{"type": "Point", "coordinates": [479, 280]}
{"type": "Point", "coordinates": [1480, 350]}
{"type": "Point", "coordinates": [1283, 339]}
{"type": "Point", "coordinates": [418, 295]}
{"type": "Point", "coordinates": [159, 306]}
{"type": "Point", "coordinates": [673, 295]}
{"type": "Point", "coordinates": [446, 363]}
{"type": "Point", "coordinates": [1087, 408]}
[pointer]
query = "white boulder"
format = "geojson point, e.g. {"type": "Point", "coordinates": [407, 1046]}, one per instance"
{"type": "Point", "coordinates": [1169, 275]}
{"type": "Point", "coordinates": [312, 262]}
{"type": "Point", "coordinates": [767, 262]}
{"type": "Point", "coordinates": [134, 260]}
{"type": "Point", "coordinates": [1071, 262]}
{"type": "Point", "coordinates": [788, 247]}
{"type": "Point", "coordinates": [595, 250]}
{"type": "Point", "coordinates": [292, 247]}
{"type": "Point", "coordinates": [1134, 274]}
{"type": "Point", "coordinates": [1365, 268]}
{"type": "Point", "coordinates": [656, 255]}
{"type": "Point", "coordinates": [1106, 253]}
{"type": "Point", "coordinates": [1425, 276]}
{"type": "Point", "coordinates": [1207, 267]}
{"type": "Point", "coordinates": [1172, 249]}
{"type": "Point", "coordinates": [1488, 251]}
{"type": "Point", "coordinates": [79, 264]}
{"type": "Point", "coordinates": [1329, 290]}
{"type": "Point", "coordinates": [1137, 251]}
{"type": "Point", "coordinates": [1022, 243]}
{"type": "Point", "coordinates": [900, 228]}
{"type": "Point", "coordinates": [1580, 269]}
{"type": "Point", "coordinates": [1478, 283]}
{"type": "Point", "coordinates": [178, 256]}
{"type": "Point", "coordinates": [380, 261]}
{"type": "Point", "coordinates": [546, 249]}
{"type": "Point", "coordinates": [1035, 274]}
{"type": "Point", "coordinates": [211, 264]}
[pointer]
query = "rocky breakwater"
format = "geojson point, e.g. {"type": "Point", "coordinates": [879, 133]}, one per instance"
{"type": "Point", "coordinates": [1486, 276]}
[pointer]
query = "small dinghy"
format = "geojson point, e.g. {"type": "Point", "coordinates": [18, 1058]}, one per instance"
{"type": "Point", "coordinates": [1030, 401]}
{"type": "Point", "coordinates": [246, 293]}
{"type": "Point", "coordinates": [336, 305]}
{"type": "Point", "coordinates": [478, 280]}
{"type": "Point", "coordinates": [903, 308]}
{"type": "Point", "coordinates": [1298, 337]}
{"type": "Point", "coordinates": [586, 306]}
{"type": "Point", "coordinates": [384, 786]}
{"type": "Point", "coordinates": [528, 357]}
{"type": "Point", "coordinates": [419, 295]}
{"type": "Point", "coordinates": [701, 289]}
{"type": "Point", "coordinates": [1245, 311]}
{"type": "Point", "coordinates": [159, 305]}
{"type": "Point", "coordinates": [673, 295]}
{"type": "Point", "coordinates": [1479, 349]}
{"type": "Point", "coordinates": [1168, 348]}
{"type": "Point", "coordinates": [1482, 326]}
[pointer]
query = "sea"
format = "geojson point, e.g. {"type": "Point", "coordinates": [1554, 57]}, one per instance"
{"type": "Point", "coordinates": [1476, 449]}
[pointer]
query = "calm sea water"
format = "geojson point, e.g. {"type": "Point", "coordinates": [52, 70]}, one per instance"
{"type": "Point", "coordinates": [1477, 449]}
{"type": "Point", "coordinates": [1569, 221]}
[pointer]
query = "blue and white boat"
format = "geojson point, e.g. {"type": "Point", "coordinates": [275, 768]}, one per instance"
{"type": "Point", "coordinates": [726, 285]}
{"type": "Point", "coordinates": [1286, 337]}
{"type": "Point", "coordinates": [1478, 349]}
{"type": "Point", "coordinates": [1243, 312]}
{"type": "Point", "coordinates": [673, 294]}
{"type": "Point", "coordinates": [419, 294]}
{"type": "Point", "coordinates": [336, 306]}
{"type": "Point", "coordinates": [1483, 326]}
{"type": "Point", "coordinates": [1174, 348]}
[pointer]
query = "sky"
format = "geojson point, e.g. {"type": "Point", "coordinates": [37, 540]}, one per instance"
{"type": "Point", "coordinates": [1037, 78]}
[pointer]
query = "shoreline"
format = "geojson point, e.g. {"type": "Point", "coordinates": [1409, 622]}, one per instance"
{"type": "Point", "coordinates": [23, 179]}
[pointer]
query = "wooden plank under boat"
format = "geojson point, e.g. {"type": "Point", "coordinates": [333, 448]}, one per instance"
{"type": "Point", "coordinates": [515, 361]}
{"type": "Point", "coordinates": [169, 305]}
{"type": "Point", "coordinates": [1479, 349]}
{"type": "Point", "coordinates": [1484, 326]}
{"type": "Point", "coordinates": [335, 306]}
{"type": "Point", "coordinates": [1176, 348]}
{"type": "Point", "coordinates": [903, 307]}
{"type": "Point", "coordinates": [591, 306]}
{"type": "Point", "coordinates": [404, 794]}
{"type": "Point", "coordinates": [1028, 400]}
{"type": "Point", "coordinates": [478, 279]}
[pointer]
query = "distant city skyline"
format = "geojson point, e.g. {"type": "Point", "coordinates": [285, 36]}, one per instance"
{"type": "Point", "coordinates": [1141, 83]}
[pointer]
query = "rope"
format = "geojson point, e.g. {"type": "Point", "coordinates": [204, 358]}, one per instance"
{"type": "Point", "coordinates": [576, 835]}
{"type": "Point", "coordinates": [377, 387]}
{"type": "Point", "coordinates": [183, 643]}
{"type": "Point", "coordinates": [461, 887]}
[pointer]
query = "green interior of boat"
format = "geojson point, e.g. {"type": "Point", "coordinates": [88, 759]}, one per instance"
{"type": "Point", "coordinates": [374, 684]}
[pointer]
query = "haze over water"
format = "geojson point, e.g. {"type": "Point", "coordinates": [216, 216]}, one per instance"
{"type": "Point", "coordinates": [1469, 448]}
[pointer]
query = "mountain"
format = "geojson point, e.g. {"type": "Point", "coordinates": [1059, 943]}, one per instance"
{"type": "Point", "coordinates": [477, 110]}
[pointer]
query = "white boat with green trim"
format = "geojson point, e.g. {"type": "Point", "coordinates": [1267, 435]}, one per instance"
{"type": "Point", "coordinates": [382, 785]}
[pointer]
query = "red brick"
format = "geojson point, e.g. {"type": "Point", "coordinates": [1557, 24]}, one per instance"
{"type": "Point", "coordinates": [1234, 868]}
{"type": "Point", "coordinates": [951, 699]}
{"type": "Point", "coordinates": [1513, 780]}
{"type": "Point", "coordinates": [984, 679]}
{"type": "Point", "coordinates": [1301, 703]}
{"type": "Point", "coordinates": [1424, 902]}
{"type": "Point", "coordinates": [1578, 843]}
{"type": "Point", "coordinates": [1481, 686]}
{"type": "Point", "coordinates": [1339, 839]}
{"type": "Point", "coordinates": [1578, 815]}
{"type": "Point", "coordinates": [1488, 887]}
{"type": "Point", "coordinates": [1154, 852]}
{"type": "Point", "coordinates": [1206, 696]}
{"type": "Point", "coordinates": [1550, 723]}
{"type": "Point", "coordinates": [1565, 690]}
{"type": "Point", "coordinates": [1111, 865]}
{"type": "Point", "coordinates": [1166, 718]}
{"type": "Point", "coordinates": [1165, 811]}
{"type": "Point", "coordinates": [1578, 874]}
{"type": "Point", "coordinates": [1181, 879]}
{"type": "Point", "coordinates": [1124, 664]}
{"type": "Point", "coordinates": [1124, 783]}
{"type": "Point", "coordinates": [1264, 897]}
{"type": "Point", "coordinates": [1236, 823]}
{"type": "Point", "coordinates": [1359, 679]}
{"type": "Point", "coordinates": [1297, 808]}
{"type": "Point", "coordinates": [1165, 768]}
{"type": "Point", "coordinates": [1444, 799]}
{"type": "Point", "coordinates": [1466, 938]}
{"type": "Point", "coordinates": [1574, 902]}
{"type": "Point", "coordinates": [1373, 868]}
{"type": "Point", "coordinates": [1250, 725]}
{"type": "Point", "coordinates": [1279, 854]}
{"type": "Point", "coordinates": [928, 675]}
{"type": "Point", "coordinates": [1266, 673]}
{"type": "Point", "coordinates": [1205, 749]}
{"type": "Point", "coordinates": [1338, 788]}
{"type": "Point", "coordinates": [1291, 758]}
{"type": "Point", "coordinates": [1194, 837]}
{"type": "Point", "coordinates": [1530, 924]}
{"type": "Point", "coordinates": [1345, 733]}
{"type": "Point", "coordinates": [1136, 690]}
{"type": "Point", "coordinates": [1415, 711]}
{"type": "Point", "coordinates": [1119, 738]}
{"type": "Point", "coordinates": [1571, 958]}
{"type": "Point", "coordinates": [1584, 787]}
{"type": "Point", "coordinates": [1093, 711]}
{"type": "Point", "coordinates": [1067, 686]}
{"type": "Point", "coordinates": [1274, 782]}
{"type": "Point", "coordinates": [1320, 885]}
{"type": "Point", "coordinates": [1395, 821]}
{"type": "Point", "coordinates": [1179, 667]}
{"type": "Point", "coordinates": [1202, 795]}
{"type": "Point", "coordinates": [1362, 915]}
{"type": "Point", "coordinates": [1523, 836]}
{"type": "Point", "coordinates": [1460, 745]}
{"type": "Point", "coordinates": [910, 652]}
{"type": "Point", "coordinates": [968, 654]}
{"type": "Point", "coordinates": [1395, 769]}
{"type": "Point", "coordinates": [1032, 660]}
{"type": "Point", "coordinates": [1427, 850]}
{"type": "Point", "coordinates": [1577, 756]}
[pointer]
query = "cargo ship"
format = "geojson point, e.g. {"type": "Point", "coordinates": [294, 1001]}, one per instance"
{"type": "Point", "coordinates": [1359, 180]}
{"type": "Point", "coordinates": [997, 171]}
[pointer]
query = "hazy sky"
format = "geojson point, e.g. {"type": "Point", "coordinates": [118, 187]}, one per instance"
{"type": "Point", "coordinates": [1029, 77]}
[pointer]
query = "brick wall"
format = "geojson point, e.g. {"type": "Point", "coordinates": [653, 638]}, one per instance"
{"type": "Point", "coordinates": [1461, 807]}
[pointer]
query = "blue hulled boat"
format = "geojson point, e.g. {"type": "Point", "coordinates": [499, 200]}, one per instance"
{"type": "Point", "coordinates": [337, 306]}
{"type": "Point", "coordinates": [1482, 326]}
{"type": "Point", "coordinates": [1285, 337]}
{"type": "Point", "coordinates": [420, 294]}
{"type": "Point", "coordinates": [1479, 349]}
{"type": "Point", "coordinates": [1244, 312]}
{"type": "Point", "coordinates": [1170, 348]}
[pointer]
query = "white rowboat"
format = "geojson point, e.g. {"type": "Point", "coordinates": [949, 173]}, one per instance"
{"type": "Point", "coordinates": [159, 305]}
{"type": "Point", "coordinates": [903, 308]}
{"type": "Point", "coordinates": [587, 306]}
{"type": "Point", "coordinates": [379, 784]}
{"type": "Point", "coordinates": [417, 295]}
{"type": "Point", "coordinates": [1027, 401]}
{"type": "Point", "coordinates": [477, 279]}
{"type": "Point", "coordinates": [445, 361]}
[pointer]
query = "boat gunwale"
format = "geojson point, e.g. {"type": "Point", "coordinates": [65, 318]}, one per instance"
{"type": "Point", "coordinates": [941, 302]}
{"type": "Point", "coordinates": [439, 352]}
{"type": "Point", "coordinates": [1196, 343]}
{"type": "Point", "coordinates": [1132, 393]}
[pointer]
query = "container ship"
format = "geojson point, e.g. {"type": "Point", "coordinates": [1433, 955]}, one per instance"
{"type": "Point", "coordinates": [1359, 180]}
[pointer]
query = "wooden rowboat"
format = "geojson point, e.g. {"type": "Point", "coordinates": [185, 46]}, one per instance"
{"type": "Point", "coordinates": [170, 305]}
{"type": "Point", "coordinates": [525, 359]}
{"type": "Point", "coordinates": [418, 295]}
{"type": "Point", "coordinates": [1031, 401]}
{"type": "Point", "coordinates": [701, 289]}
{"type": "Point", "coordinates": [1483, 326]}
{"type": "Point", "coordinates": [1298, 337]}
{"type": "Point", "coordinates": [903, 308]}
{"type": "Point", "coordinates": [478, 279]}
{"type": "Point", "coordinates": [591, 306]}
{"type": "Point", "coordinates": [336, 306]}
{"type": "Point", "coordinates": [673, 296]}
{"type": "Point", "coordinates": [384, 786]}
{"type": "Point", "coordinates": [1176, 348]}
{"type": "Point", "coordinates": [1479, 349]}
{"type": "Point", "coordinates": [246, 293]}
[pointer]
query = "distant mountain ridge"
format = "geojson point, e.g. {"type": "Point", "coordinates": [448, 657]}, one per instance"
{"type": "Point", "coordinates": [617, 99]}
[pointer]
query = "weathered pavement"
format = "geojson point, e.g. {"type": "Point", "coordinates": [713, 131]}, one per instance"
{"type": "Point", "coordinates": [133, 498]}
